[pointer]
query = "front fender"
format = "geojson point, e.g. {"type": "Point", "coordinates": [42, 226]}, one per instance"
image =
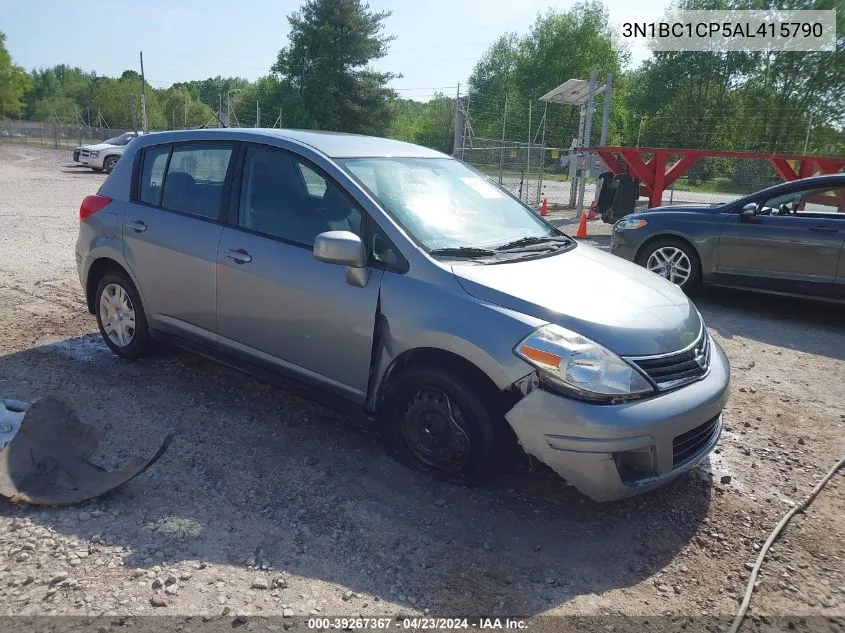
{"type": "Point", "coordinates": [416, 313]}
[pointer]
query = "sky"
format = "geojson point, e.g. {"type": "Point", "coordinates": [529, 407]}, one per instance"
{"type": "Point", "coordinates": [437, 43]}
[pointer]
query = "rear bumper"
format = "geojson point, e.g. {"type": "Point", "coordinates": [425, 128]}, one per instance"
{"type": "Point", "coordinates": [611, 452]}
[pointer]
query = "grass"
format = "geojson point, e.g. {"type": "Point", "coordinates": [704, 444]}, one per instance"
{"type": "Point", "coordinates": [717, 185]}
{"type": "Point", "coordinates": [512, 174]}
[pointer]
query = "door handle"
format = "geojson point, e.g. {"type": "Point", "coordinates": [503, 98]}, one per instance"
{"type": "Point", "coordinates": [239, 255]}
{"type": "Point", "coordinates": [137, 226]}
{"type": "Point", "coordinates": [824, 229]}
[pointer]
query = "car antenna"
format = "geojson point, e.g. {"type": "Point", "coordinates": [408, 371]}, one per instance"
{"type": "Point", "coordinates": [216, 116]}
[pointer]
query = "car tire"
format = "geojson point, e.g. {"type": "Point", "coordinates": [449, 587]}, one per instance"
{"type": "Point", "coordinates": [120, 316]}
{"type": "Point", "coordinates": [429, 413]}
{"type": "Point", "coordinates": [109, 163]}
{"type": "Point", "coordinates": [673, 259]}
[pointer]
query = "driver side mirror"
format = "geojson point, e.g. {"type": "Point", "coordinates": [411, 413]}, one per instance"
{"type": "Point", "coordinates": [748, 212]}
{"type": "Point", "coordinates": [346, 249]}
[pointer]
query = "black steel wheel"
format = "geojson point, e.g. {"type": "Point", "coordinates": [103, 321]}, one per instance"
{"type": "Point", "coordinates": [436, 423]}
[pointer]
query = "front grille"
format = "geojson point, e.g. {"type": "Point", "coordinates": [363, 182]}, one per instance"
{"type": "Point", "coordinates": [673, 370]}
{"type": "Point", "coordinates": [689, 444]}
{"type": "Point", "coordinates": [84, 152]}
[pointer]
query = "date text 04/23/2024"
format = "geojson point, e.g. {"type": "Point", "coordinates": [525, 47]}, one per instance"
{"type": "Point", "coordinates": [415, 623]}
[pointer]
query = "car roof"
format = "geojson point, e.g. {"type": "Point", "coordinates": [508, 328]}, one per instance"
{"type": "Point", "coordinates": [332, 144]}
{"type": "Point", "coordinates": [823, 179]}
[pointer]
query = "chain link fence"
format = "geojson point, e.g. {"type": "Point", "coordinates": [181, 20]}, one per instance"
{"type": "Point", "coordinates": [53, 135]}
{"type": "Point", "coordinates": [518, 167]}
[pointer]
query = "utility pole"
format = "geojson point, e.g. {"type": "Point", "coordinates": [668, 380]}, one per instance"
{"type": "Point", "coordinates": [186, 113]}
{"type": "Point", "coordinates": [605, 118]}
{"type": "Point", "coordinates": [807, 138]}
{"type": "Point", "coordinates": [143, 96]}
{"type": "Point", "coordinates": [588, 127]}
{"type": "Point", "coordinates": [459, 132]}
{"type": "Point", "coordinates": [528, 154]}
{"type": "Point", "coordinates": [502, 153]}
{"type": "Point", "coordinates": [132, 112]}
{"type": "Point", "coordinates": [257, 114]}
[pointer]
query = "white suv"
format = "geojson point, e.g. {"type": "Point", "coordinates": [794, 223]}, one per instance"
{"type": "Point", "coordinates": [103, 156]}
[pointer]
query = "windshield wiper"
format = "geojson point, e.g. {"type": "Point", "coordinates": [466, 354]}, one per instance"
{"type": "Point", "coordinates": [463, 251]}
{"type": "Point", "coordinates": [534, 240]}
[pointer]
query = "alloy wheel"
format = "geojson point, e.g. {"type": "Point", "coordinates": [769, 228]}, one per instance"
{"type": "Point", "coordinates": [117, 315]}
{"type": "Point", "coordinates": [670, 263]}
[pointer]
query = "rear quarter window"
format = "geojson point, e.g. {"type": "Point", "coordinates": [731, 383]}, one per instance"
{"type": "Point", "coordinates": [152, 174]}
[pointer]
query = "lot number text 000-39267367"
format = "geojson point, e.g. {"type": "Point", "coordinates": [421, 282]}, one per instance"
{"type": "Point", "coordinates": [415, 623]}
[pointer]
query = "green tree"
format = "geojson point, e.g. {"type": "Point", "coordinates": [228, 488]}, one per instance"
{"type": "Point", "coordinates": [64, 108]}
{"type": "Point", "coordinates": [435, 126]}
{"type": "Point", "coordinates": [559, 46]}
{"type": "Point", "coordinates": [331, 43]}
{"type": "Point", "coordinates": [740, 100]}
{"type": "Point", "coordinates": [405, 117]}
{"type": "Point", "coordinates": [14, 82]}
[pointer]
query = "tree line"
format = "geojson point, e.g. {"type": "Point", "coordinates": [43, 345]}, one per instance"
{"type": "Point", "coordinates": [323, 79]}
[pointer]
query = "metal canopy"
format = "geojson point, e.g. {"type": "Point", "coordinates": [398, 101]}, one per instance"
{"type": "Point", "coordinates": [571, 92]}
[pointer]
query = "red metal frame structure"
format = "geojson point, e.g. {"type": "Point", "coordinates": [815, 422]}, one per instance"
{"type": "Point", "coordinates": [655, 177]}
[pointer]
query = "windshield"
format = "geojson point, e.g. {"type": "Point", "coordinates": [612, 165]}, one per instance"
{"type": "Point", "coordinates": [445, 205]}
{"type": "Point", "coordinates": [123, 139]}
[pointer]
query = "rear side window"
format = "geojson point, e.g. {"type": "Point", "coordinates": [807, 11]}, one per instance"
{"type": "Point", "coordinates": [152, 174]}
{"type": "Point", "coordinates": [194, 182]}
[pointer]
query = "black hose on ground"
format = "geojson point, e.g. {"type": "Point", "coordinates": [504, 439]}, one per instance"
{"type": "Point", "coordinates": [740, 616]}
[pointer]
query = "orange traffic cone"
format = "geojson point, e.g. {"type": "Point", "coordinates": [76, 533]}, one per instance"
{"type": "Point", "coordinates": [544, 207]}
{"type": "Point", "coordinates": [592, 214]}
{"type": "Point", "coordinates": [582, 227]}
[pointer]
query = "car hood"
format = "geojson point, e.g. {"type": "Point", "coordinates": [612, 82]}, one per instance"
{"type": "Point", "coordinates": [102, 146]}
{"type": "Point", "coordinates": [693, 208]}
{"type": "Point", "coordinates": [626, 308]}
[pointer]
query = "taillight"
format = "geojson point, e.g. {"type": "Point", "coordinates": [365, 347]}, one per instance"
{"type": "Point", "coordinates": [92, 204]}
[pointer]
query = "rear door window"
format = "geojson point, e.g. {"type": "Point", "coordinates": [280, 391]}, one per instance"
{"type": "Point", "coordinates": [195, 178]}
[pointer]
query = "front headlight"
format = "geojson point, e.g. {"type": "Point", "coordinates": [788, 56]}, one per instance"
{"type": "Point", "coordinates": [580, 367]}
{"type": "Point", "coordinates": [629, 224]}
{"type": "Point", "coordinates": [94, 153]}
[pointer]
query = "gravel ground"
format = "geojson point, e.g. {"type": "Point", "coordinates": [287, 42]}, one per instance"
{"type": "Point", "coordinates": [270, 504]}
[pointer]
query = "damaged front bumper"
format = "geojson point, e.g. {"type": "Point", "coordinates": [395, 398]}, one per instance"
{"type": "Point", "coordinates": [610, 452]}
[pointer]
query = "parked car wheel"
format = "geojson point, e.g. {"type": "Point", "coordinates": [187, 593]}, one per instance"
{"type": "Point", "coordinates": [109, 163]}
{"type": "Point", "coordinates": [434, 422]}
{"type": "Point", "coordinates": [674, 260]}
{"type": "Point", "coordinates": [120, 316]}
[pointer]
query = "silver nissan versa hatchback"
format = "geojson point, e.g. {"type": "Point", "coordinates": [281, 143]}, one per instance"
{"type": "Point", "coordinates": [398, 279]}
